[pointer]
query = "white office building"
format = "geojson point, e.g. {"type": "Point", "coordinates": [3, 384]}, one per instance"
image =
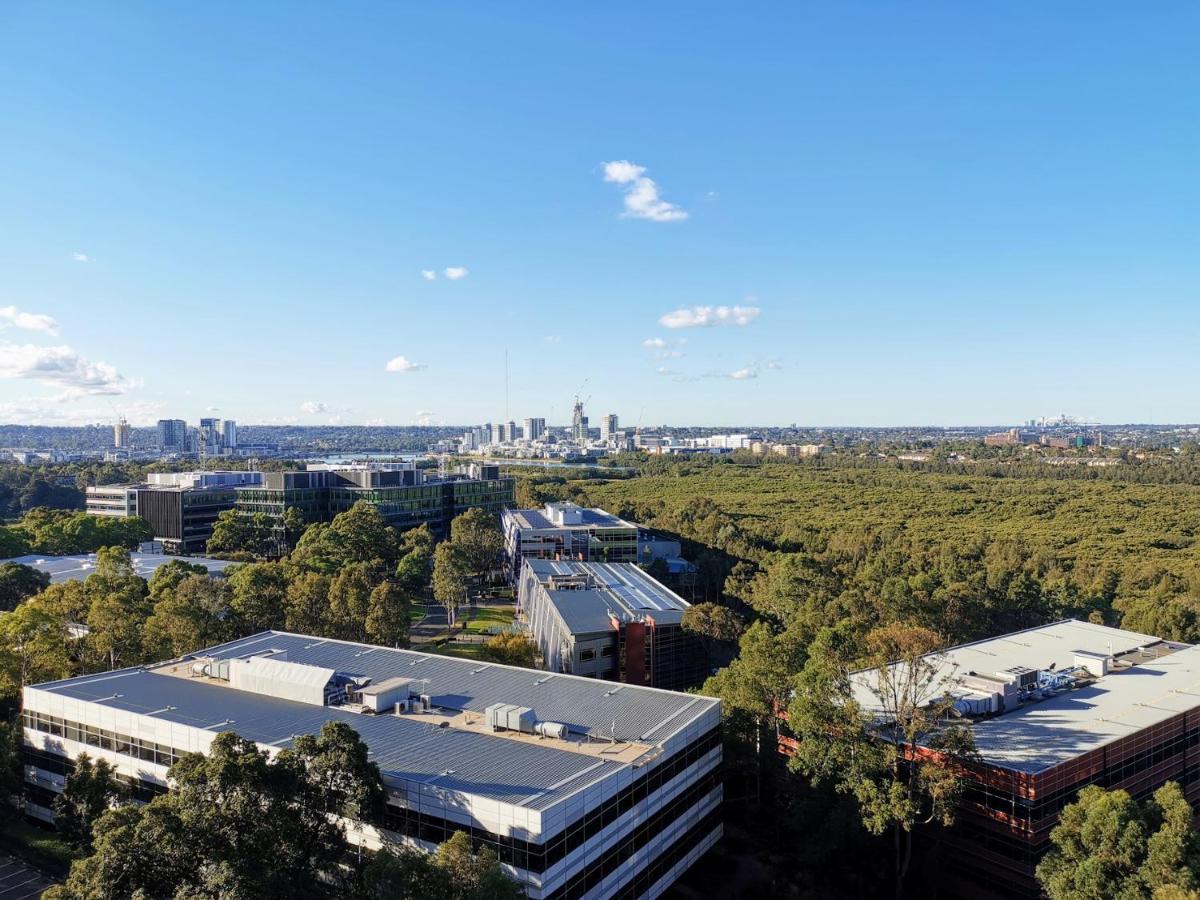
{"type": "Point", "coordinates": [584, 788]}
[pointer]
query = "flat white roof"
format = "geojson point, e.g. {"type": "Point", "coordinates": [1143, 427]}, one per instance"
{"type": "Point", "coordinates": [1042, 734]}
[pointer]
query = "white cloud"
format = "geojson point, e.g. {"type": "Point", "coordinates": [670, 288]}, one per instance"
{"type": "Point", "coordinates": [61, 367]}
{"type": "Point", "coordinates": [374, 423]}
{"type": "Point", "coordinates": [654, 343]}
{"type": "Point", "coordinates": [669, 354]}
{"type": "Point", "coordinates": [335, 420]}
{"type": "Point", "coordinates": [706, 316]}
{"type": "Point", "coordinates": [212, 409]}
{"type": "Point", "coordinates": [641, 193]}
{"type": "Point", "coordinates": [10, 315]}
{"type": "Point", "coordinates": [421, 413]}
{"type": "Point", "coordinates": [552, 339]}
{"type": "Point", "coordinates": [403, 364]}
{"type": "Point", "coordinates": [36, 411]}
{"type": "Point", "coordinates": [429, 274]}
{"type": "Point", "coordinates": [774, 364]}
{"type": "Point", "coordinates": [455, 272]}
{"type": "Point", "coordinates": [744, 374]}
{"type": "Point", "coordinates": [81, 257]}
{"type": "Point", "coordinates": [312, 407]}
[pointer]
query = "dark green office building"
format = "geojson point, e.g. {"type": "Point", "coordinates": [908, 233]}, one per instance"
{"type": "Point", "coordinates": [404, 496]}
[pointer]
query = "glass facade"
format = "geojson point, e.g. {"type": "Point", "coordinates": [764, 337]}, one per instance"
{"type": "Point", "coordinates": [435, 503]}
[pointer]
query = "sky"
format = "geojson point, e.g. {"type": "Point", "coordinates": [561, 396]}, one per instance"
{"type": "Point", "coordinates": [685, 213]}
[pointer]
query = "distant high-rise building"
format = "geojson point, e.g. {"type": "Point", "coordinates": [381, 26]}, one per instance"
{"type": "Point", "coordinates": [121, 433]}
{"type": "Point", "coordinates": [228, 431]}
{"type": "Point", "coordinates": [534, 429]}
{"type": "Point", "coordinates": [513, 431]}
{"type": "Point", "coordinates": [608, 426]}
{"type": "Point", "coordinates": [579, 423]}
{"type": "Point", "coordinates": [209, 439]}
{"type": "Point", "coordinates": [172, 435]}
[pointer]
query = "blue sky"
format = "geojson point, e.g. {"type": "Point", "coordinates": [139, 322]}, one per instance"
{"type": "Point", "coordinates": [875, 213]}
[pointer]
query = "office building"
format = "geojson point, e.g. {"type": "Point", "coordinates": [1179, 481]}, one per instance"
{"type": "Point", "coordinates": [611, 621]}
{"type": "Point", "coordinates": [579, 424]}
{"type": "Point", "coordinates": [119, 500]}
{"type": "Point", "coordinates": [172, 436]}
{"type": "Point", "coordinates": [568, 531]}
{"type": "Point", "coordinates": [404, 495]}
{"type": "Point", "coordinates": [581, 791]}
{"type": "Point", "coordinates": [122, 434]}
{"type": "Point", "coordinates": [608, 427]}
{"type": "Point", "coordinates": [181, 507]}
{"type": "Point", "coordinates": [227, 431]}
{"type": "Point", "coordinates": [534, 429]}
{"type": "Point", "coordinates": [1054, 709]}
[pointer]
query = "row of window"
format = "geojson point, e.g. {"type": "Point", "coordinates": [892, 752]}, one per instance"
{"type": "Point", "coordinates": [140, 789]}
{"type": "Point", "coordinates": [655, 869]}
{"type": "Point", "coordinates": [539, 857]}
{"type": "Point", "coordinates": [416, 824]}
{"type": "Point", "coordinates": [159, 754]}
{"type": "Point", "coordinates": [1052, 802]}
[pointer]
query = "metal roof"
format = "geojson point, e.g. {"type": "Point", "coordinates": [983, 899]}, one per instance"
{"type": "Point", "coordinates": [77, 568]}
{"type": "Point", "coordinates": [622, 591]}
{"type": "Point", "coordinates": [642, 714]}
{"type": "Point", "coordinates": [1042, 734]}
{"type": "Point", "coordinates": [533, 775]}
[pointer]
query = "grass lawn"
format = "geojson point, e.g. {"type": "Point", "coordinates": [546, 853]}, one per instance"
{"type": "Point", "coordinates": [483, 619]}
{"type": "Point", "coordinates": [44, 846]}
{"type": "Point", "coordinates": [455, 648]}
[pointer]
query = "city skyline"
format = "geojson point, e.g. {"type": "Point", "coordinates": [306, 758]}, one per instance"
{"type": "Point", "coordinates": [862, 215]}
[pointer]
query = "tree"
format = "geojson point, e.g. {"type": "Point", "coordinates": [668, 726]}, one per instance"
{"type": "Point", "coordinates": [236, 825]}
{"type": "Point", "coordinates": [338, 769]}
{"type": "Point", "coordinates": [307, 603]}
{"type": "Point", "coordinates": [479, 540]}
{"type": "Point", "coordinates": [449, 579]}
{"type": "Point", "coordinates": [13, 542]}
{"type": "Point", "coordinates": [399, 872]}
{"type": "Point", "coordinates": [117, 610]}
{"type": "Point", "coordinates": [358, 535]}
{"type": "Point", "coordinates": [33, 648]}
{"type": "Point", "coordinates": [874, 752]}
{"type": "Point", "coordinates": [234, 533]}
{"type": "Point", "coordinates": [293, 526]}
{"type": "Point", "coordinates": [18, 583]}
{"type": "Point", "coordinates": [259, 595]}
{"type": "Point", "coordinates": [12, 769]}
{"type": "Point", "coordinates": [387, 618]}
{"type": "Point", "coordinates": [349, 600]}
{"type": "Point", "coordinates": [167, 576]}
{"type": "Point", "coordinates": [414, 571]}
{"type": "Point", "coordinates": [194, 615]}
{"type": "Point", "coordinates": [1107, 845]}
{"type": "Point", "coordinates": [712, 623]}
{"type": "Point", "coordinates": [88, 792]}
{"type": "Point", "coordinates": [512, 649]}
{"type": "Point", "coordinates": [475, 874]}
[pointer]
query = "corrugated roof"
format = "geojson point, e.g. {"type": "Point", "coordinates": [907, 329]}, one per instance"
{"type": "Point", "coordinates": [585, 704]}
{"type": "Point", "coordinates": [533, 775]}
{"type": "Point", "coordinates": [622, 589]}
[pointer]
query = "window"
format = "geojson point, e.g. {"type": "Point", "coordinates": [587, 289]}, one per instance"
{"type": "Point", "coordinates": [587, 655]}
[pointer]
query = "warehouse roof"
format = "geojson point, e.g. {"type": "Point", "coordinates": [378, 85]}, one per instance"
{"type": "Point", "coordinates": [1148, 682]}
